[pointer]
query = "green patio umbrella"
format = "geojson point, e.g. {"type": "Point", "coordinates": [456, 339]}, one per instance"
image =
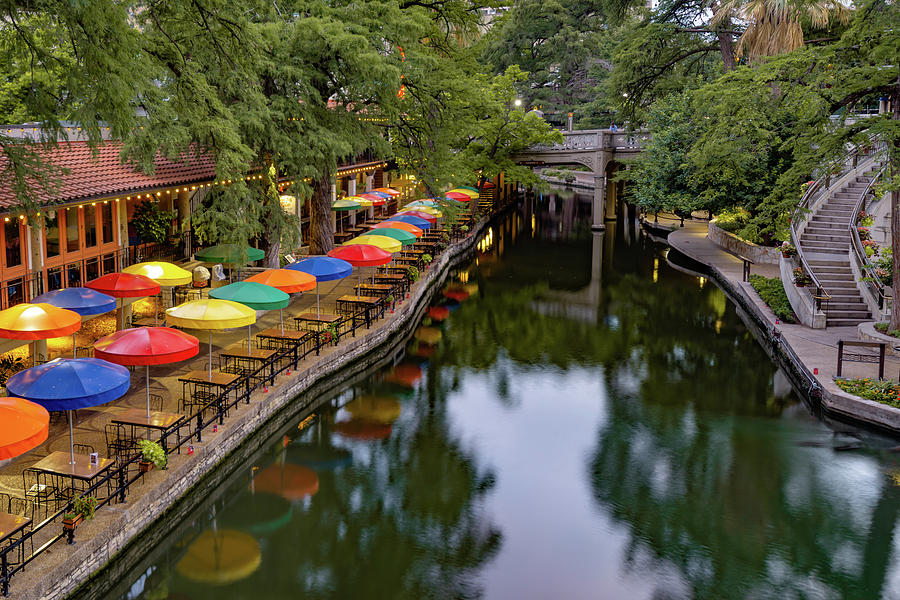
{"type": "Point", "coordinates": [344, 204]}
{"type": "Point", "coordinates": [404, 237]}
{"type": "Point", "coordinates": [229, 253]}
{"type": "Point", "coordinates": [257, 296]}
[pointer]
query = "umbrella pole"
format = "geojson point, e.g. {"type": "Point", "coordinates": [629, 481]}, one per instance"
{"type": "Point", "coordinates": [250, 337]}
{"type": "Point", "coordinates": [71, 439]}
{"type": "Point", "coordinates": [317, 300]}
{"type": "Point", "coordinates": [148, 391]}
{"type": "Point", "coordinates": [210, 353]}
{"type": "Point", "coordinates": [156, 309]}
{"type": "Point", "coordinates": [74, 347]}
{"type": "Point", "coordinates": [281, 312]}
{"type": "Point", "coordinates": [358, 280]}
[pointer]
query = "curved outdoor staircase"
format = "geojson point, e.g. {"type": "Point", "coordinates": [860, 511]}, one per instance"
{"type": "Point", "coordinates": [826, 244]}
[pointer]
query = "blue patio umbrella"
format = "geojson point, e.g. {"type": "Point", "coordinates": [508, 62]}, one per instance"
{"type": "Point", "coordinates": [380, 194]}
{"type": "Point", "coordinates": [71, 383]}
{"type": "Point", "coordinates": [420, 223]}
{"type": "Point", "coordinates": [84, 301]}
{"type": "Point", "coordinates": [323, 268]}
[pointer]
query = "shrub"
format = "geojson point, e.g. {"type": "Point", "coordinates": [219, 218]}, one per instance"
{"type": "Point", "coordinates": [413, 274]}
{"type": "Point", "coordinates": [772, 293]}
{"type": "Point", "coordinates": [84, 506]}
{"type": "Point", "coordinates": [150, 222]}
{"type": "Point", "coordinates": [885, 391]}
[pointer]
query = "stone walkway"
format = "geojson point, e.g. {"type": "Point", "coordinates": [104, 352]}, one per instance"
{"type": "Point", "coordinates": [817, 348]}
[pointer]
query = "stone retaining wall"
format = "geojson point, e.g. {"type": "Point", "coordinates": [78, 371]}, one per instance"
{"type": "Point", "coordinates": [65, 568]}
{"type": "Point", "coordinates": [732, 243]}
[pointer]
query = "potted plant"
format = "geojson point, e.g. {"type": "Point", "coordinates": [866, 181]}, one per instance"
{"type": "Point", "coordinates": [152, 455]}
{"type": "Point", "coordinates": [426, 260]}
{"type": "Point", "coordinates": [9, 366]}
{"type": "Point", "coordinates": [445, 237]}
{"type": "Point", "coordinates": [464, 229]}
{"type": "Point", "coordinates": [83, 509]}
{"type": "Point", "coordinates": [330, 332]}
{"type": "Point", "coordinates": [788, 250]}
{"type": "Point", "coordinates": [413, 274]}
{"type": "Point", "coordinates": [800, 278]}
{"type": "Point", "coordinates": [151, 223]}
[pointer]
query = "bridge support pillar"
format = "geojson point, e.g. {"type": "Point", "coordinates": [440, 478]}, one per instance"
{"type": "Point", "coordinates": [597, 208]}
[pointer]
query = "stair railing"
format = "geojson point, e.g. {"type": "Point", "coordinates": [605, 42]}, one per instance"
{"type": "Point", "coordinates": [834, 172]}
{"type": "Point", "coordinates": [877, 290]}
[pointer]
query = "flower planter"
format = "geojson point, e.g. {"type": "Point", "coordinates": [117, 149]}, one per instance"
{"type": "Point", "coordinates": [145, 466]}
{"type": "Point", "coordinates": [72, 523]}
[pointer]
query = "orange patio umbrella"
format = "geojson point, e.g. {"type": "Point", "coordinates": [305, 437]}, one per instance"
{"type": "Point", "coordinates": [416, 231]}
{"type": "Point", "coordinates": [23, 426]}
{"type": "Point", "coordinates": [288, 281]}
{"type": "Point", "coordinates": [39, 321]}
{"type": "Point", "coordinates": [291, 482]}
{"type": "Point", "coordinates": [363, 430]}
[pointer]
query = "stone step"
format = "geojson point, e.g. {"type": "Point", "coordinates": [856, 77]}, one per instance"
{"type": "Point", "coordinates": [826, 229]}
{"type": "Point", "coordinates": [833, 285]}
{"type": "Point", "coordinates": [832, 271]}
{"type": "Point", "coordinates": [835, 212]}
{"type": "Point", "coordinates": [828, 262]}
{"type": "Point", "coordinates": [819, 248]}
{"type": "Point", "coordinates": [842, 300]}
{"type": "Point", "coordinates": [860, 315]}
{"type": "Point", "coordinates": [827, 221]}
{"type": "Point", "coordinates": [840, 240]}
{"type": "Point", "coordinates": [843, 322]}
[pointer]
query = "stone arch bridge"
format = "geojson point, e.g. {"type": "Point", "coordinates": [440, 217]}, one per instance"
{"type": "Point", "coordinates": [600, 150]}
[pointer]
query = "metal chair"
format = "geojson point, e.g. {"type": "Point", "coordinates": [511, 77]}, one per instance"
{"type": "Point", "coordinates": [118, 443]}
{"type": "Point", "coordinates": [156, 402]}
{"type": "Point", "coordinates": [5, 502]}
{"type": "Point", "coordinates": [85, 449]}
{"type": "Point", "coordinates": [39, 487]}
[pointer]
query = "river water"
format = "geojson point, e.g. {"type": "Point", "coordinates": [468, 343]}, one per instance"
{"type": "Point", "coordinates": [576, 419]}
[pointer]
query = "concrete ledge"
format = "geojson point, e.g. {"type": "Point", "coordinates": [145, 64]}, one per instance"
{"type": "Point", "coordinates": [801, 300]}
{"type": "Point", "coordinates": [732, 243]}
{"type": "Point", "coordinates": [867, 331]}
{"type": "Point", "coordinates": [855, 408]}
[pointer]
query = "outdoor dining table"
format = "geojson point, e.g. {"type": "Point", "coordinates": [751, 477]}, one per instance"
{"type": "Point", "coordinates": [407, 262]}
{"type": "Point", "coordinates": [315, 321]}
{"type": "Point", "coordinates": [342, 236]}
{"type": "Point", "coordinates": [147, 322]}
{"type": "Point", "coordinates": [81, 474]}
{"type": "Point", "coordinates": [354, 230]}
{"type": "Point", "coordinates": [216, 379]}
{"type": "Point", "coordinates": [378, 290]}
{"type": "Point", "coordinates": [281, 339]}
{"type": "Point", "coordinates": [393, 279]}
{"type": "Point", "coordinates": [247, 361]}
{"type": "Point", "coordinates": [10, 525]}
{"type": "Point", "coordinates": [401, 271]}
{"type": "Point", "coordinates": [136, 418]}
{"type": "Point", "coordinates": [349, 304]}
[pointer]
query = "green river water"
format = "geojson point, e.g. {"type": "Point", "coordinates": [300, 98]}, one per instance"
{"type": "Point", "coordinates": [577, 419]}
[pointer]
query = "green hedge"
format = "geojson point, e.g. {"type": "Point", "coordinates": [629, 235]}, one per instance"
{"type": "Point", "coordinates": [772, 292]}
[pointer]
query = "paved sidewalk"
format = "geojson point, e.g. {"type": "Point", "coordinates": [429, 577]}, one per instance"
{"type": "Point", "coordinates": [817, 348]}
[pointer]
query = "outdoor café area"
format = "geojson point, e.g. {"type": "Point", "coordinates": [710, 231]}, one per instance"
{"type": "Point", "coordinates": [75, 422]}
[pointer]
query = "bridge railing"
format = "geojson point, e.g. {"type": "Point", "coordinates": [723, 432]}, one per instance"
{"type": "Point", "coordinates": [599, 139]}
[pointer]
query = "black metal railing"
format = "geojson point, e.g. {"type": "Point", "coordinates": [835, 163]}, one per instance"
{"type": "Point", "coordinates": [872, 282]}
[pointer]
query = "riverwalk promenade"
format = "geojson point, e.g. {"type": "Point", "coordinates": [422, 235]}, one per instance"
{"type": "Point", "coordinates": [58, 571]}
{"type": "Point", "coordinates": [813, 352]}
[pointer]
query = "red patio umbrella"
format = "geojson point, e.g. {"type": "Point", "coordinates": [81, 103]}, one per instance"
{"type": "Point", "coordinates": [406, 375]}
{"type": "Point", "coordinates": [458, 196]}
{"type": "Point", "coordinates": [388, 191]}
{"type": "Point", "coordinates": [124, 285]}
{"type": "Point", "coordinates": [362, 255]}
{"type": "Point", "coordinates": [456, 293]}
{"type": "Point", "coordinates": [23, 426]}
{"type": "Point", "coordinates": [374, 199]}
{"type": "Point", "coordinates": [146, 346]}
{"type": "Point", "coordinates": [438, 313]}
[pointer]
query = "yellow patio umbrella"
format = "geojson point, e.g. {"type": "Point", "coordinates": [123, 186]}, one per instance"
{"type": "Point", "coordinates": [220, 557]}
{"type": "Point", "coordinates": [363, 202]}
{"type": "Point", "coordinates": [164, 274]}
{"type": "Point", "coordinates": [384, 242]}
{"type": "Point", "coordinates": [210, 314]}
{"type": "Point", "coordinates": [425, 209]}
{"type": "Point", "coordinates": [376, 409]}
{"type": "Point", "coordinates": [470, 193]}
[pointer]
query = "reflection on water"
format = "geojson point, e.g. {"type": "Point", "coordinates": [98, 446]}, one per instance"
{"type": "Point", "coordinates": [574, 418]}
